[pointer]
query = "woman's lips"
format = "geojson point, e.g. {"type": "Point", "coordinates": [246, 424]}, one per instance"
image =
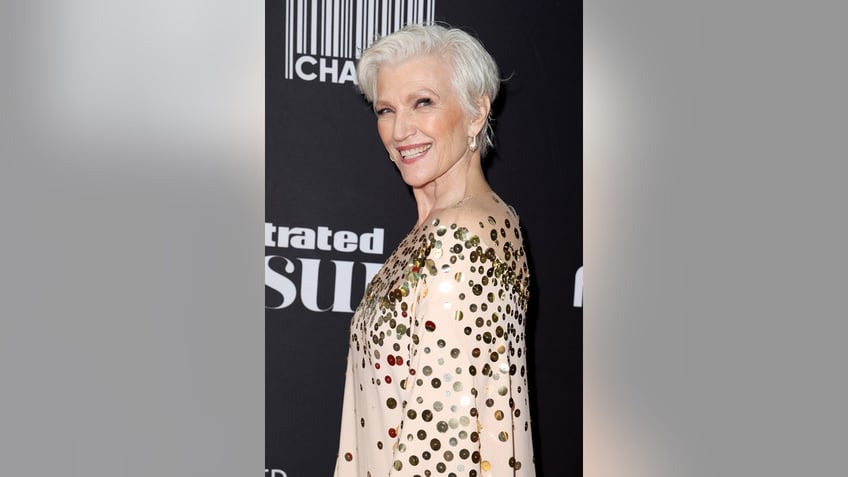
{"type": "Point", "coordinates": [414, 152]}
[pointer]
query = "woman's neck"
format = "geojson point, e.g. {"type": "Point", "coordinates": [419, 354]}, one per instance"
{"type": "Point", "coordinates": [450, 190]}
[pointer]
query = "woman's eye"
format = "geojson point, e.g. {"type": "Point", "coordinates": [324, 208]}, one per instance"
{"type": "Point", "coordinates": [383, 111]}
{"type": "Point", "coordinates": [423, 102]}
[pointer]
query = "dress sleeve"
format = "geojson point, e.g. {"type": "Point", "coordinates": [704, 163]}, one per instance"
{"type": "Point", "coordinates": [347, 435]}
{"type": "Point", "coordinates": [466, 407]}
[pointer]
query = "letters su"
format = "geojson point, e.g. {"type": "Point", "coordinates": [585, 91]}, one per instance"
{"type": "Point", "coordinates": [281, 280]}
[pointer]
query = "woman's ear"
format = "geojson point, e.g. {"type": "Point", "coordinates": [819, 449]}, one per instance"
{"type": "Point", "coordinates": [484, 105]}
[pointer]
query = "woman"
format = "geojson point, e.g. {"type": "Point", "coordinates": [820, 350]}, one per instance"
{"type": "Point", "coordinates": [436, 380]}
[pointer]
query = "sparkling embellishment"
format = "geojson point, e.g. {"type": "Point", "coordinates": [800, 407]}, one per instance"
{"type": "Point", "coordinates": [453, 396]}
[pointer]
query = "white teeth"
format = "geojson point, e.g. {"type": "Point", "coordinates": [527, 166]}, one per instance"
{"type": "Point", "coordinates": [414, 152]}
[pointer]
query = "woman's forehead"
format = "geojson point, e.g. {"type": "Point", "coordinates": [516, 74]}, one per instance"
{"type": "Point", "coordinates": [414, 72]}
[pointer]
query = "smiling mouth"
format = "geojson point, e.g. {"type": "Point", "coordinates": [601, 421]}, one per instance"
{"type": "Point", "coordinates": [414, 152]}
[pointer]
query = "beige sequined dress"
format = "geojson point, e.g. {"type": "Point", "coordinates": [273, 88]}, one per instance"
{"type": "Point", "coordinates": [436, 381]}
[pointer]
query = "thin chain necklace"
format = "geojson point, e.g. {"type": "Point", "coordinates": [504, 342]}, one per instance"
{"type": "Point", "coordinates": [469, 197]}
{"type": "Point", "coordinates": [460, 202]}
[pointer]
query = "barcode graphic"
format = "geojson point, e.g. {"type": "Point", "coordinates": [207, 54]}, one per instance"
{"type": "Point", "coordinates": [344, 28]}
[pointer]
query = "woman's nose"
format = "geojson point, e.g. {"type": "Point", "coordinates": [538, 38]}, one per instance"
{"type": "Point", "coordinates": [404, 126]}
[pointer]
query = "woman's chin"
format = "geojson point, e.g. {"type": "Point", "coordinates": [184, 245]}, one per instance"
{"type": "Point", "coordinates": [413, 180]}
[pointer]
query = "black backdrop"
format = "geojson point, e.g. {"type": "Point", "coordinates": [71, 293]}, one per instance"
{"type": "Point", "coordinates": [325, 167]}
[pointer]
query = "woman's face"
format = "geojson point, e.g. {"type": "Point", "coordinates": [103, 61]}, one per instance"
{"type": "Point", "coordinates": [420, 119]}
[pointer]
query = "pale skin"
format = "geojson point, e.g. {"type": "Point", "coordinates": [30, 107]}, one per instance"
{"type": "Point", "coordinates": [426, 131]}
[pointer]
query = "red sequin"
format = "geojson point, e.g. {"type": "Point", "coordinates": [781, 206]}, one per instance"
{"type": "Point", "coordinates": [377, 365]}
{"type": "Point", "coordinates": [392, 432]}
{"type": "Point", "coordinates": [388, 379]}
{"type": "Point", "coordinates": [399, 361]}
{"type": "Point", "coordinates": [429, 325]}
{"type": "Point", "coordinates": [348, 457]}
{"type": "Point", "coordinates": [391, 360]}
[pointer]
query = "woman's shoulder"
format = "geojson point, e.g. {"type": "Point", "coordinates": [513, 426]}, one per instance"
{"type": "Point", "coordinates": [486, 216]}
{"type": "Point", "coordinates": [481, 210]}
{"type": "Point", "coordinates": [482, 228]}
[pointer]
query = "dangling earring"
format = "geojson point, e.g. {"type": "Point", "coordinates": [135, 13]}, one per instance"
{"type": "Point", "coordinates": [391, 158]}
{"type": "Point", "coordinates": [472, 143]}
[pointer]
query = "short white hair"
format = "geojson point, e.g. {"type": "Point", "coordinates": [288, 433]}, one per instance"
{"type": "Point", "coordinates": [474, 70]}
